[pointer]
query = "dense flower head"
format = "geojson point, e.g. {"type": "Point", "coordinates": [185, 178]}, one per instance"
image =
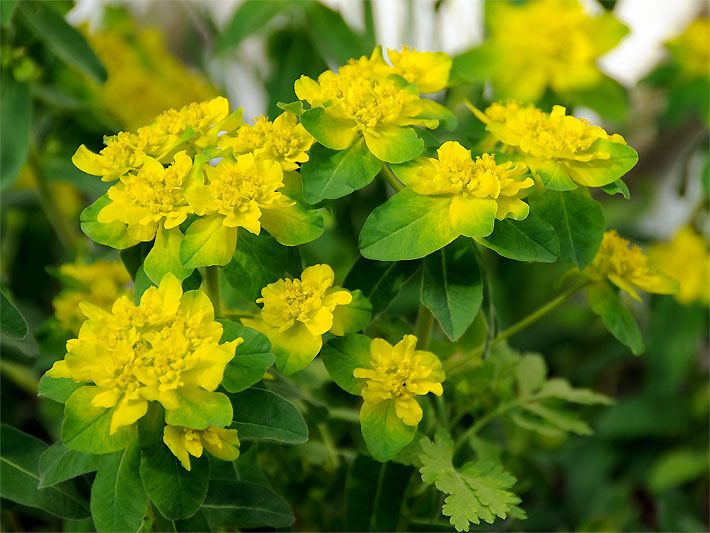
{"type": "Point", "coordinates": [237, 190]}
{"type": "Point", "coordinates": [627, 267]}
{"type": "Point", "coordinates": [691, 49]}
{"type": "Point", "coordinates": [284, 140]}
{"type": "Point", "coordinates": [183, 442]}
{"type": "Point", "coordinates": [99, 283]}
{"type": "Point", "coordinates": [686, 257]}
{"type": "Point", "coordinates": [429, 71]}
{"type": "Point", "coordinates": [547, 43]}
{"type": "Point", "coordinates": [154, 195]}
{"type": "Point", "coordinates": [400, 373]}
{"type": "Point", "coordinates": [165, 349]}
{"type": "Point", "coordinates": [309, 300]}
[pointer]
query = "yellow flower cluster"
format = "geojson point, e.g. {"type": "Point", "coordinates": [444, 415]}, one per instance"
{"type": "Point", "coordinates": [627, 267]}
{"type": "Point", "coordinates": [184, 442]}
{"type": "Point", "coordinates": [141, 70]}
{"type": "Point", "coordinates": [166, 349]}
{"type": "Point", "coordinates": [400, 373]}
{"type": "Point", "coordinates": [685, 258]}
{"type": "Point", "coordinates": [100, 283]}
{"type": "Point", "coordinates": [284, 140]}
{"type": "Point", "coordinates": [691, 49]}
{"type": "Point", "coordinates": [547, 43]}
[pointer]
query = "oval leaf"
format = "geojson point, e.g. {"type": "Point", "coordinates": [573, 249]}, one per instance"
{"type": "Point", "coordinates": [263, 415]}
{"type": "Point", "coordinates": [531, 239]}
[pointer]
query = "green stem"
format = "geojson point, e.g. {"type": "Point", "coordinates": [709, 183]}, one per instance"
{"type": "Point", "coordinates": [212, 281]}
{"type": "Point", "coordinates": [422, 330]}
{"type": "Point", "coordinates": [391, 178]}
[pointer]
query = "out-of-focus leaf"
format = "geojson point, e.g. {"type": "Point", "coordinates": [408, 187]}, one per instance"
{"type": "Point", "coordinates": [15, 115]}
{"type": "Point", "coordinates": [235, 504]}
{"type": "Point", "coordinates": [617, 319]}
{"type": "Point", "coordinates": [249, 17]}
{"type": "Point", "coordinates": [677, 468]}
{"type": "Point", "coordinates": [332, 37]}
{"type": "Point", "coordinates": [12, 323]}
{"type": "Point", "coordinates": [7, 8]}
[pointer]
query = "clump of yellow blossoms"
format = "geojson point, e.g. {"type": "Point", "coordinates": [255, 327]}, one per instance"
{"type": "Point", "coordinates": [429, 71]}
{"type": "Point", "coordinates": [685, 258]}
{"type": "Point", "coordinates": [558, 148]}
{"type": "Point", "coordinates": [367, 98]}
{"type": "Point", "coordinates": [627, 267]}
{"type": "Point", "coordinates": [546, 44]}
{"type": "Point", "coordinates": [166, 349]}
{"type": "Point", "coordinates": [481, 189]}
{"type": "Point", "coordinates": [99, 283]}
{"type": "Point", "coordinates": [691, 49]}
{"type": "Point", "coordinates": [184, 442]}
{"type": "Point", "coordinates": [141, 70]}
{"type": "Point", "coordinates": [284, 140]}
{"type": "Point", "coordinates": [296, 313]}
{"type": "Point", "coordinates": [399, 374]}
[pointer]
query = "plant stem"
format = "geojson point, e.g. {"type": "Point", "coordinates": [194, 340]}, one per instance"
{"type": "Point", "coordinates": [212, 281]}
{"type": "Point", "coordinates": [422, 330]}
{"type": "Point", "coordinates": [391, 178]}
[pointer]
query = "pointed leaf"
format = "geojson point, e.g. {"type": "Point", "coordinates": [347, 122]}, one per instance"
{"type": "Point", "coordinates": [263, 415]}
{"type": "Point", "coordinates": [253, 357]}
{"type": "Point", "coordinates": [617, 319]}
{"type": "Point", "coordinates": [531, 239]}
{"type": "Point", "coordinates": [15, 117]}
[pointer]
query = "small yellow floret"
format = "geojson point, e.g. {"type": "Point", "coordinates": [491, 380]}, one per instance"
{"type": "Point", "coordinates": [184, 442]}
{"type": "Point", "coordinates": [627, 267]}
{"type": "Point", "coordinates": [401, 373]}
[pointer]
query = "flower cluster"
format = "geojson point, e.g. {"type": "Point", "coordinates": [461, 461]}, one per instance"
{"type": "Point", "coordinates": [367, 98]}
{"type": "Point", "coordinates": [558, 148]}
{"type": "Point", "coordinates": [627, 267]}
{"type": "Point", "coordinates": [296, 313]}
{"type": "Point", "coordinates": [99, 283]}
{"type": "Point", "coordinates": [166, 349]}
{"type": "Point", "coordinates": [399, 374]}
{"type": "Point", "coordinates": [184, 442]}
{"type": "Point", "coordinates": [685, 258]}
{"type": "Point", "coordinates": [546, 44]}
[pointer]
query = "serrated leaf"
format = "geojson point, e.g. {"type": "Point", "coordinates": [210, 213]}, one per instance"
{"type": "Point", "coordinates": [560, 389]}
{"type": "Point", "coordinates": [561, 420]}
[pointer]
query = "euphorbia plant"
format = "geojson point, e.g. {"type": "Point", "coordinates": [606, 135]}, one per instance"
{"type": "Point", "coordinates": [211, 215]}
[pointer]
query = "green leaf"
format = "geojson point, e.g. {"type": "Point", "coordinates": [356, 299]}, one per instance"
{"type": "Point", "coordinates": [12, 323]}
{"type": "Point", "coordinates": [352, 317]}
{"type": "Point", "coordinates": [616, 318]}
{"type": "Point", "coordinates": [118, 500]}
{"type": "Point", "coordinates": [379, 281]}
{"type": "Point", "coordinates": [258, 261]}
{"type": "Point", "coordinates": [245, 506]}
{"type": "Point", "coordinates": [197, 522]}
{"type": "Point", "coordinates": [384, 433]}
{"type": "Point", "coordinates": [331, 131]}
{"type": "Point", "coordinates": [86, 427]}
{"type": "Point", "coordinates": [374, 493]}
{"type": "Point", "coordinates": [608, 98]}
{"type": "Point", "coordinates": [250, 16]}
{"type": "Point", "coordinates": [477, 491]}
{"type": "Point", "coordinates": [330, 174]}
{"type": "Point", "coordinates": [61, 39]}
{"type": "Point", "coordinates": [561, 420]}
{"type": "Point", "coordinates": [292, 225]}
{"type": "Point", "coordinates": [176, 492]}
{"type": "Point", "coordinates": [57, 389]}
{"type": "Point", "coordinates": [677, 468]}
{"type": "Point", "coordinates": [600, 172]}
{"type": "Point", "coordinates": [554, 175]}
{"type": "Point", "coordinates": [15, 119]}
{"type": "Point", "coordinates": [577, 219]}
{"type": "Point", "coordinates": [335, 41]}
{"type": "Point", "coordinates": [407, 226]}
{"type": "Point", "coordinates": [560, 389]}
{"type": "Point", "coordinates": [199, 409]}
{"type": "Point", "coordinates": [253, 357]}
{"type": "Point", "coordinates": [530, 373]}
{"type": "Point", "coordinates": [141, 284]}
{"type": "Point", "coordinates": [113, 234]}
{"type": "Point", "coordinates": [452, 288]}
{"type": "Point", "coordinates": [164, 256]}
{"type": "Point", "coordinates": [7, 8]}
{"type": "Point", "coordinates": [19, 477]}
{"type": "Point", "coordinates": [531, 239]}
{"type": "Point", "coordinates": [617, 187]}
{"type": "Point", "coordinates": [59, 464]}
{"type": "Point", "coordinates": [341, 356]}
{"type": "Point", "coordinates": [207, 242]}
{"type": "Point", "coordinates": [394, 144]}
{"type": "Point", "coordinates": [473, 66]}
{"type": "Point", "coordinates": [263, 415]}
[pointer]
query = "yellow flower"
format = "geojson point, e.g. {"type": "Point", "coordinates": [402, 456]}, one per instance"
{"type": "Point", "coordinates": [691, 49]}
{"type": "Point", "coordinates": [238, 189]}
{"type": "Point", "coordinates": [685, 258]}
{"type": "Point", "coordinates": [297, 312]}
{"type": "Point", "coordinates": [559, 148]}
{"type": "Point", "coordinates": [479, 187]}
{"type": "Point", "coordinates": [367, 98]}
{"type": "Point", "coordinates": [549, 43]}
{"type": "Point", "coordinates": [99, 283]}
{"type": "Point", "coordinates": [400, 373]}
{"type": "Point", "coordinates": [184, 442]}
{"type": "Point", "coordinates": [627, 267]}
{"type": "Point", "coordinates": [429, 71]}
{"type": "Point", "coordinates": [153, 196]}
{"type": "Point", "coordinates": [166, 349]}
{"type": "Point", "coordinates": [284, 140]}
